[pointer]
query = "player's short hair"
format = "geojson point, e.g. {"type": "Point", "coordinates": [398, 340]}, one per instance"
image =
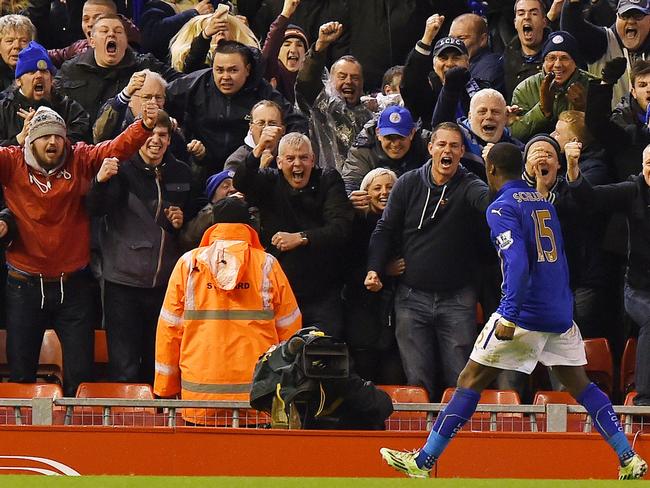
{"type": "Point", "coordinates": [507, 159]}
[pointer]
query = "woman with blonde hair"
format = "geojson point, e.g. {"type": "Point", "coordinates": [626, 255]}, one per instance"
{"type": "Point", "coordinates": [161, 20]}
{"type": "Point", "coordinates": [369, 330]}
{"type": "Point", "coordinates": [192, 47]}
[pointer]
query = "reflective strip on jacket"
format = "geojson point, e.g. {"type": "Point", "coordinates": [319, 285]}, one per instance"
{"type": "Point", "coordinates": [226, 304]}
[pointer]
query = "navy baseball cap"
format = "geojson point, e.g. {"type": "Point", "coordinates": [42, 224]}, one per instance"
{"type": "Point", "coordinates": [627, 5]}
{"type": "Point", "coordinates": [395, 120]}
{"type": "Point", "coordinates": [449, 43]}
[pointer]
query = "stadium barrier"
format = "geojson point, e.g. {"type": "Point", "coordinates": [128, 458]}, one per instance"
{"type": "Point", "coordinates": [119, 441]}
{"type": "Point", "coordinates": [236, 414]}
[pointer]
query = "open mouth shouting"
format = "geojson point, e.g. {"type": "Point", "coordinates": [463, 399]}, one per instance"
{"type": "Point", "coordinates": [111, 47]}
{"type": "Point", "coordinates": [297, 176]}
{"type": "Point", "coordinates": [527, 30]}
{"type": "Point", "coordinates": [39, 89]}
{"type": "Point", "coordinates": [446, 162]}
{"type": "Point", "coordinates": [293, 59]}
{"type": "Point", "coordinates": [631, 33]}
{"type": "Point", "coordinates": [489, 129]}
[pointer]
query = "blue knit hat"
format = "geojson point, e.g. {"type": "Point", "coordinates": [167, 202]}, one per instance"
{"type": "Point", "coordinates": [562, 41]}
{"type": "Point", "coordinates": [33, 58]}
{"type": "Point", "coordinates": [215, 180]}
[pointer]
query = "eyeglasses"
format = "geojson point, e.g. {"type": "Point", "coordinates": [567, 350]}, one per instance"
{"type": "Point", "coordinates": [632, 14]}
{"type": "Point", "coordinates": [263, 123]}
{"type": "Point", "coordinates": [157, 98]}
{"type": "Point", "coordinates": [552, 58]}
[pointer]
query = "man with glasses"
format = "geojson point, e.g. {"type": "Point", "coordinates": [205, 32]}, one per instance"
{"type": "Point", "coordinates": [560, 86]}
{"type": "Point", "coordinates": [121, 110]}
{"type": "Point", "coordinates": [264, 133]}
{"type": "Point", "coordinates": [628, 38]}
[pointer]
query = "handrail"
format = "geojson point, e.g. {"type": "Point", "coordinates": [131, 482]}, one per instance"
{"type": "Point", "coordinates": [556, 414]}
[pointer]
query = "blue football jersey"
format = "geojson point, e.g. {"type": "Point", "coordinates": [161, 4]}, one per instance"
{"type": "Point", "coordinates": [526, 232]}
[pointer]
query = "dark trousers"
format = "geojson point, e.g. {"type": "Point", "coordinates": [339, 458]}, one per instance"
{"type": "Point", "coordinates": [32, 309]}
{"type": "Point", "coordinates": [637, 305]}
{"type": "Point", "coordinates": [324, 312]}
{"type": "Point", "coordinates": [131, 317]}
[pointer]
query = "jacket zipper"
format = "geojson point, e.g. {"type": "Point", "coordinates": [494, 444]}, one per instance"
{"type": "Point", "coordinates": [162, 231]}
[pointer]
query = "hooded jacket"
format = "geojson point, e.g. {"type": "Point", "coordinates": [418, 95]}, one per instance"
{"type": "Point", "coordinates": [438, 227]}
{"type": "Point", "coordinates": [75, 117]}
{"type": "Point", "coordinates": [221, 122]}
{"type": "Point", "coordinates": [53, 227]}
{"type": "Point", "coordinates": [227, 303]}
{"type": "Point", "coordinates": [138, 243]}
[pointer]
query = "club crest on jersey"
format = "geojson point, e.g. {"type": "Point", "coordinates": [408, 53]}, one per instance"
{"type": "Point", "coordinates": [504, 240]}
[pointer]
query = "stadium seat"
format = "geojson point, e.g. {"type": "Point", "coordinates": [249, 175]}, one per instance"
{"type": "Point", "coordinates": [599, 364]}
{"type": "Point", "coordinates": [634, 423]}
{"type": "Point", "coordinates": [23, 415]}
{"type": "Point", "coordinates": [50, 361]}
{"type": "Point", "coordinates": [406, 420]}
{"type": "Point", "coordinates": [101, 356]}
{"type": "Point", "coordinates": [125, 416]}
{"type": "Point", "coordinates": [575, 421]}
{"type": "Point", "coordinates": [628, 363]}
{"type": "Point", "coordinates": [485, 421]}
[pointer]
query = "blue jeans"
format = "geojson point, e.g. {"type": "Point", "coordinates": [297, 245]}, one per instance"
{"type": "Point", "coordinates": [435, 333]}
{"type": "Point", "coordinates": [637, 305]}
{"type": "Point", "coordinates": [30, 311]}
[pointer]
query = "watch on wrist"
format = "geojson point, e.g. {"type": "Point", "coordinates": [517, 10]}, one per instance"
{"type": "Point", "coordinates": [303, 238]}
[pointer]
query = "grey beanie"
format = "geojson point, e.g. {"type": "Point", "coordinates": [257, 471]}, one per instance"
{"type": "Point", "coordinates": [545, 138]}
{"type": "Point", "coordinates": [46, 122]}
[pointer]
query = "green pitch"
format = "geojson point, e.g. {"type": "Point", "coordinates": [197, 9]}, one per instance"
{"type": "Point", "coordinates": [243, 482]}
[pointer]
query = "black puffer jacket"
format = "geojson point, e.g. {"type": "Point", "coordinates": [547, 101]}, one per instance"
{"type": "Point", "coordinates": [139, 245]}
{"type": "Point", "coordinates": [75, 117]}
{"type": "Point", "coordinates": [321, 209]}
{"type": "Point", "coordinates": [91, 85]}
{"type": "Point", "coordinates": [220, 121]}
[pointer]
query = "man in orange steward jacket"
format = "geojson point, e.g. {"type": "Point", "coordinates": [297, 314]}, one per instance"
{"type": "Point", "coordinates": [227, 302]}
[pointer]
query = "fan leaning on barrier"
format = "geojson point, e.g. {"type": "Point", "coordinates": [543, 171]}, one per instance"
{"type": "Point", "coordinates": [307, 382]}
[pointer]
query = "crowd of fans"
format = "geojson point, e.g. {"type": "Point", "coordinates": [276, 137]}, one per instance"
{"type": "Point", "coordinates": [356, 132]}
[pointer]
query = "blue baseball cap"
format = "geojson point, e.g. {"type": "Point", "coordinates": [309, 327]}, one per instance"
{"type": "Point", "coordinates": [395, 120]}
{"type": "Point", "coordinates": [627, 5]}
